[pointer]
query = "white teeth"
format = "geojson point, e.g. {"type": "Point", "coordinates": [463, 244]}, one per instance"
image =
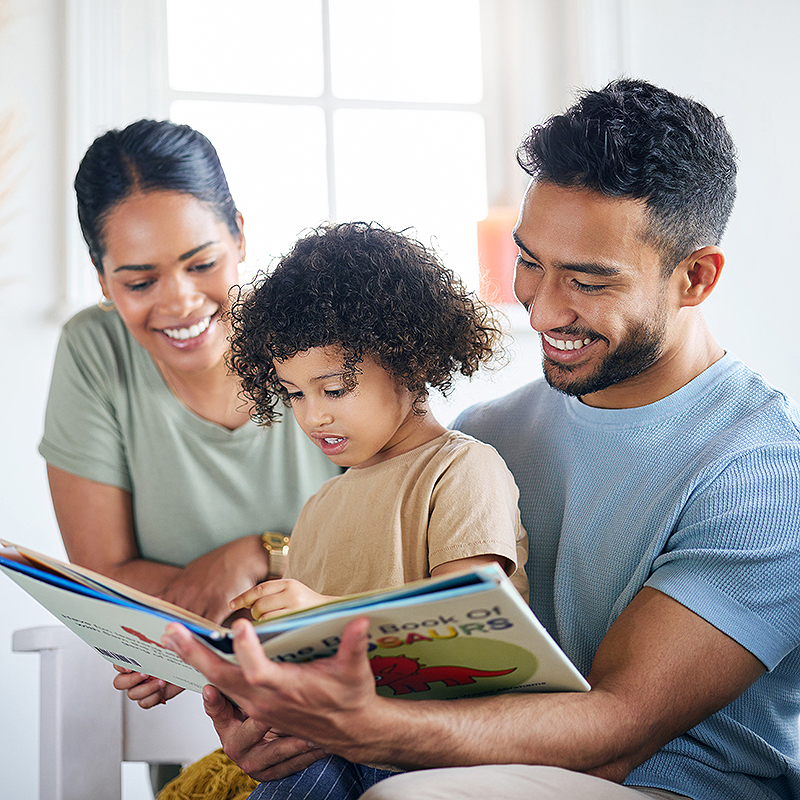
{"type": "Point", "coordinates": [566, 344]}
{"type": "Point", "coordinates": [188, 333]}
{"type": "Point", "coordinates": [334, 440]}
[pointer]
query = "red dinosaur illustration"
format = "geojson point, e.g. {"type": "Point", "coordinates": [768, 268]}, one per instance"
{"type": "Point", "coordinates": [403, 674]}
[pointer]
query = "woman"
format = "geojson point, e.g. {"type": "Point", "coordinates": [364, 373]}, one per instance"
{"type": "Point", "coordinates": [158, 477]}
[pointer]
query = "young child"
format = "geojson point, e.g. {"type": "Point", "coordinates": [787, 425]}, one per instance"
{"type": "Point", "coordinates": [351, 330]}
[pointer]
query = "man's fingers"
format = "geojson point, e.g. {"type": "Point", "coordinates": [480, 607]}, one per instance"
{"type": "Point", "coordinates": [256, 667]}
{"type": "Point", "coordinates": [290, 765]}
{"type": "Point", "coordinates": [218, 671]}
{"type": "Point", "coordinates": [229, 721]}
{"type": "Point", "coordinates": [353, 645]}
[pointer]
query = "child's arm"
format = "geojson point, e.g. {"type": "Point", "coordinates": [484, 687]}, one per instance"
{"type": "Point", "coordinates": [469, 563]}
{"type": "Point", "coordinates": [278, 597]}
{"type": "Point", "coordinates": [282, 595]}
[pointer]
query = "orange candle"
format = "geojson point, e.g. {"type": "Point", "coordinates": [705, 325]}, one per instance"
{"type": "Point", "coordinates": [496, 256]}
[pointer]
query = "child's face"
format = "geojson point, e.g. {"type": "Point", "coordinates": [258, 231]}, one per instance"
{"type": "Point", "coordinates": [355, 427]}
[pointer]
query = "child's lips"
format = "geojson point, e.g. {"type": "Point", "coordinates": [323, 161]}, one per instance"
{"type": "Point", "coordinates": [330, 444]}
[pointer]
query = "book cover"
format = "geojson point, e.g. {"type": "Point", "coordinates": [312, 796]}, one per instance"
{"type": "Point", "coordinates": [462, 634]}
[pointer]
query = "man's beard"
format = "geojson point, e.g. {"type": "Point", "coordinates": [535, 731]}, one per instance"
{"type": "Point", "coordinates": [640, 349]}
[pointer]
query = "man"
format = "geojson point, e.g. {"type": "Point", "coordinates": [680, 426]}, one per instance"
{"type": "Point", "coordinates": [659, 482]}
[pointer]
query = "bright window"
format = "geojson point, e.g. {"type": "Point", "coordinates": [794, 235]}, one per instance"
{"type": "Point", "coordinates": [316, 117]}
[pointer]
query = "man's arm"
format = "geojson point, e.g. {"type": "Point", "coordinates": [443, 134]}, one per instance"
{"type": "Point", "coordinates": [650, 682]}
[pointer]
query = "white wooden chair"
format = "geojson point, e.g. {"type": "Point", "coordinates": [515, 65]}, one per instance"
{"type": "Point", "coordinates": [88, 728]}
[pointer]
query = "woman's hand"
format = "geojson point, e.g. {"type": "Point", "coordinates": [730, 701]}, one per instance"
{"type": "Point", "coordinates": [278, 597]}
{"type": "Point", "coordinates": [206, 585]}
{"type": "Point", "coordinates": [146, 690]}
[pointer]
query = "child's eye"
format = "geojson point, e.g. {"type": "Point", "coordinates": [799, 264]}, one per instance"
{"type": "Point", "coordinates": [336, 392]}
{"type": "Point", "coordinates": [294, 396]}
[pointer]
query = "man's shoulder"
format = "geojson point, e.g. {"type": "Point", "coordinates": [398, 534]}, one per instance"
{"type": "Point", "coordinates": [486, 420]}
{"type": "Point", "coordinates": [749, 402]}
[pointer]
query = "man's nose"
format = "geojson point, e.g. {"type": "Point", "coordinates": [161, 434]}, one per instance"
{"type": "Point", "coordinates": [544, 298]}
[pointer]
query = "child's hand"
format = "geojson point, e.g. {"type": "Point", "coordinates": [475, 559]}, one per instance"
{"type": "Point", "coordinates": [277, 597]}
{"type": "Point", "coordinates": [144, 689]}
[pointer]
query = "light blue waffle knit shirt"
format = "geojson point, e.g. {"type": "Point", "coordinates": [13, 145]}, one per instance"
{"type": "Point", "coordinates": [698, 496]}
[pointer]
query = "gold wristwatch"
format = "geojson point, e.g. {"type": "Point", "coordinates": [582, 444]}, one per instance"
{"type": "Point", "coordinates": [277, 545]}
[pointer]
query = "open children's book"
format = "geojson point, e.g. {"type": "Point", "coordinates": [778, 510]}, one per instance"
{"type": "Point", "coordinates": [462, 634]}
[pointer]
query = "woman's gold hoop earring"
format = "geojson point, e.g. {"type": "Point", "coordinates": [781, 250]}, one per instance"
{"type": "Point", "coordinates": [104, 304]}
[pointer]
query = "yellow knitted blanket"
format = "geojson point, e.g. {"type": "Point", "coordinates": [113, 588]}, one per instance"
{"type": "Point", "coordinates": [213, 777]}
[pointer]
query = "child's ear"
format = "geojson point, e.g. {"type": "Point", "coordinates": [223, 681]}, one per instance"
{"type": "Point", "coordinates": [697, 275]}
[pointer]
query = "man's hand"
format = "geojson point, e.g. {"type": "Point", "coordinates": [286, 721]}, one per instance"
{"type": "Point", "coordinates": [330, 701]}
{"type": "Point", "coordinates": [263, 753]}
{"type": "Point", "coordinates": [278, 597]}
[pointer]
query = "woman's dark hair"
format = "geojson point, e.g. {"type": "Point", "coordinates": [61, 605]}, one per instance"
{"type": "Point", "coordinates": [369, 291]}
{"type": "Point", "coordinates": [148, 155]}
{"type": "Point", "coordinates": [635, 140]}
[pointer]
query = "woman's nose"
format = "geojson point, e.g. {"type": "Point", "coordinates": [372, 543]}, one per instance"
{"type": "Point", "coordinates": [180, 296]}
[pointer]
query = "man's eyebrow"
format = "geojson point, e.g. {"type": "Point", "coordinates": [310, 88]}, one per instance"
{"type": "Point", "coordinates": [183, 257]}
{"type": "Point", "coordinates": [585, 268]}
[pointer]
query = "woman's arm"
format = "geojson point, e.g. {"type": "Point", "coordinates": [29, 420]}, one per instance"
{"type": "Point", "coordinates": [96, 523]}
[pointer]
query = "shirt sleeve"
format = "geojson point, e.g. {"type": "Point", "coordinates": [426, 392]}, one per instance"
{"type": "Point", "coordinates": [475, 512]}
{"type": "Point", "coordinates": [82, 433]}
{"type": "Point", "coordinates": [735, 556]}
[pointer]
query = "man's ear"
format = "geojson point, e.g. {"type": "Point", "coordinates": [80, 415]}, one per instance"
{"type": "Point", "coordinates": [698, 273]}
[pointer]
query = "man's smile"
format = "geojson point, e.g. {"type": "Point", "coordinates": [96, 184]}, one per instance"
{"type": "Point", "coordinates": [567, 344]}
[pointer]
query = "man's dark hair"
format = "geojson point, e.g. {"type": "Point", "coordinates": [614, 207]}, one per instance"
{"type": "Point", "coordinates": [635, 140]}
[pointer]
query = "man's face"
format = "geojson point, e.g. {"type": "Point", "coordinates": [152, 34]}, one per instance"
{"type": "Point", "coordinates": [594, 291]}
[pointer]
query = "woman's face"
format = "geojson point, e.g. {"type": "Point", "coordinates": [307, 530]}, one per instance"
{"type": "Point", "coordinates": [169, 265]}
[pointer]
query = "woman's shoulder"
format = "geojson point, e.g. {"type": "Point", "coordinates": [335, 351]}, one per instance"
{"type": "Point", "coordinates": [96, 346]}
{"type": "Point", "coordinates": [93, 325]}
{"type": "Point", "coordinates": [94, 335]}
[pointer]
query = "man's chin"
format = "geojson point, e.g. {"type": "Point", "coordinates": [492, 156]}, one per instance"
{"type": "Point", "coordinates": [562, 378]}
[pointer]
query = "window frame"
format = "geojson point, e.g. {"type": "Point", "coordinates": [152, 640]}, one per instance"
{"type": "Point", "coordinates": [115, 71]}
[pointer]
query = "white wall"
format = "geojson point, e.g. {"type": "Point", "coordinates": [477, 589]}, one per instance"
{"type": "Point", "coordinates": [29, 260]}
{"type": "Point", "coordinates": [737, 56]}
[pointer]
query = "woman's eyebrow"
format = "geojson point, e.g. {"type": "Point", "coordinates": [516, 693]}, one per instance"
{"type": "Point", "coordinates": [183, 257]}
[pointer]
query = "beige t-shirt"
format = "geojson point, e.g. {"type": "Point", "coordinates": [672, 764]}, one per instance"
{"type": "Point", "coordinates": [392, 523]}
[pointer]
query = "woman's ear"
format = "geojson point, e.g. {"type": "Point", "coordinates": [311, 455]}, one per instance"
{"type": "Point", "coordinates": [698, 273]}
{"type": "Point", "coordinates": [242, 243]}
{"type": "Point", "coordinates": [102, 280]}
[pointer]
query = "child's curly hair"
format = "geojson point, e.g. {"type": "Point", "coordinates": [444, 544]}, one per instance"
{"type": "Point", "coordinates": [369, 291]}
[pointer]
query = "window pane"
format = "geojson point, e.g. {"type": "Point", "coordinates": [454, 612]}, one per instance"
{"type": "Point", "coordinates": [424, 169]}
{"type": "Point", "coordinates": [274, 158]}
{"type": "Point", "coordinates": [415, 50]}
{"type": "Point", "coordinates": [249, 46]}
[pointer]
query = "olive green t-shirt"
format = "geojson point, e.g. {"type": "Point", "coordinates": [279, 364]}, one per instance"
{"type": "Point", "coordinates": [195, 485]}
